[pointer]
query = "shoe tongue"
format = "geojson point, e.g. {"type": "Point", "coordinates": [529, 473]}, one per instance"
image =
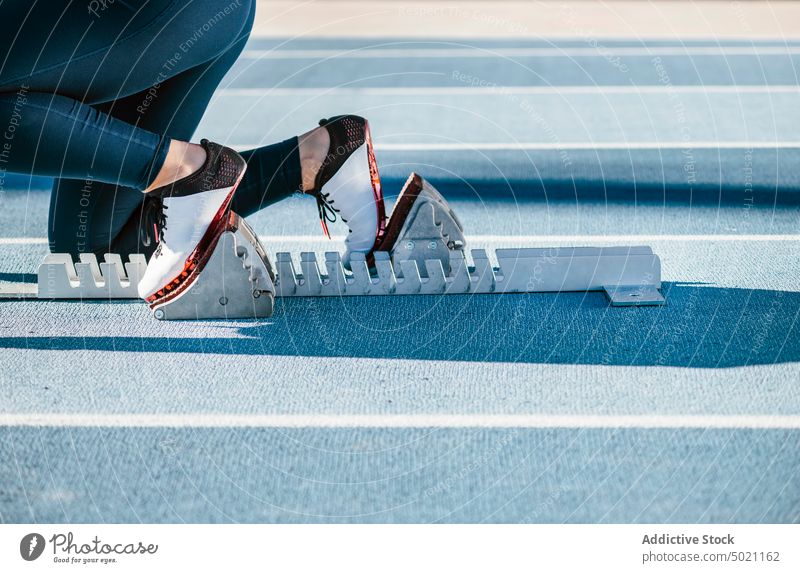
{"type": "Point", "coordinates": [343, 142]}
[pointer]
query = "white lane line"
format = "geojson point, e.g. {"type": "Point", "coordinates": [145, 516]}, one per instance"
{"type": "Point", "coordinates": [398, 421]}
{"type": "Point", "coordinates": [584, 146]}
{"type": "Point", "coordinates": [561, 238]}
{"type": "Point", "coordinates": [509, 90]}
{"type": "Point", "coordinates": [509, 239]}
{"type": "Point", "coordinates": [603, 52]}
{"type": "Point", "coordinates": [588, 145]}
{"type": "Point", "coordinates": [23, 241]}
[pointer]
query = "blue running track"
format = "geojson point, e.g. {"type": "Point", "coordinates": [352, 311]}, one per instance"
{"type": "Point", "coordinates": [516, 408]}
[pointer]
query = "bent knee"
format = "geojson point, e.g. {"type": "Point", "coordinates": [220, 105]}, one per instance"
{"type": "Point", "coordinates": [216, 26]}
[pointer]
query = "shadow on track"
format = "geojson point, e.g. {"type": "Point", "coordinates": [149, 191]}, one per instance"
{"type": "Point", "coordinates": [701, 327]}
{"type": "Point", "coordinates": [25, 278]}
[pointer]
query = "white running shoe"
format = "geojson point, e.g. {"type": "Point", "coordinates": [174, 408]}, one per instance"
{"type": "Point", "coordinates": [348, 183]}
{"type": "Point", "coordinates": [196, 209]}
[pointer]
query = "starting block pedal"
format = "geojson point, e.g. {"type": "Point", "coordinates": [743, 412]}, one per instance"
{"type": "Point", "coordinates": [237, 281]}
{"type": "Point", "coordinates": [422, 252]}
{"type": "Point", "coordinates": [422, 227]}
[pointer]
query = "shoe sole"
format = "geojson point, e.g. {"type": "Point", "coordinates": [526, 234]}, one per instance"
{"type": "Point", "coordinates": [375, 180]}
{"type": "Point", "coordinates": [196, 262]}
{"type": "Point", "coordinates": [402, 207]}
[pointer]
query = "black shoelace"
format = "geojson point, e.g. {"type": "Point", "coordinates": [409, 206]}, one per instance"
{"type": "Point", "coordinates": [327, 212]}
{"type": "Point", "coordinates": [153, 220]}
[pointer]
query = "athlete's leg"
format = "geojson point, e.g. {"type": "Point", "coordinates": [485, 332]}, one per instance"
{"type": "Point", "coordinates": [121, 51]}
{"type": "Point", "coordinates": [119, 219]}
{"type": "Point", "coordinates": [277, 169]}
{"type": "Point", "coordinates": [57, 61]}
{"type": "Point", "coordinates": [54, 135]}
{"type": "Point", "coordinates": [108, 218]}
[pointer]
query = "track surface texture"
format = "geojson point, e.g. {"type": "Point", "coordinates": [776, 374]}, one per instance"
{"type": "Point", "coordinates": [485, 408]}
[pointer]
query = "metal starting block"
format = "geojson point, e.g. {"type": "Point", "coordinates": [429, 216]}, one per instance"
{"type": "Point", "coordinates": [422, 252]}
{"type": "Point", "coordinates": [629, 276]}
{"type": "Point", "coordinates": [59, 278]}
{"type": "Point", "coordinates": [237, 281]}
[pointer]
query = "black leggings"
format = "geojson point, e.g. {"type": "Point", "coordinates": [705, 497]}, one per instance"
{"type": "Point", "coordinates": [91, 93]}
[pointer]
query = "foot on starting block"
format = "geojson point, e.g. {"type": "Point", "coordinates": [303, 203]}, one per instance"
{"type": "Point", "coordinates": [423, 252]}
{"type": "Point", "coordinates": [236, 282]}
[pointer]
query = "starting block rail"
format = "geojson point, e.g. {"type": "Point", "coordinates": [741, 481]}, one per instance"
{"type": "Point", "coordinates": [525, 270]}
{"type": "Point", "coordinates": [425, 256]}
{"type": "Point", "coordinates": [58, 277]}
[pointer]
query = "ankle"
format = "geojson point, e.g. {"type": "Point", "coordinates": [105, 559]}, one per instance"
{"type": "Point", "coordinates": [182, 160]}
{"type": "Point", "coordinates": [313, 147]}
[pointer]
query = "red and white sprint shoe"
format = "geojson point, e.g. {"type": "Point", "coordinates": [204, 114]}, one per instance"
{"type": "Point", "coordinates": [348, 183]}
{"type": "Point", "coordinates": [196, 209]}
